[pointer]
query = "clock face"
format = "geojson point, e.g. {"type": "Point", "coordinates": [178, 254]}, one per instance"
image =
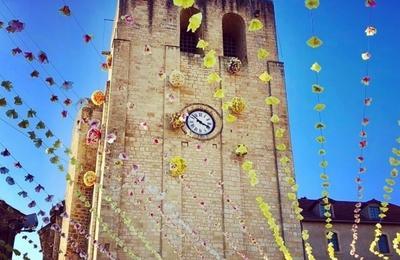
{"type": "Point", "coordinates": [200, 122]}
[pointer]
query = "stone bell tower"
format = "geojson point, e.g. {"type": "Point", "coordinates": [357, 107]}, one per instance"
{"type": "Point", "coordinates": [149, 42]}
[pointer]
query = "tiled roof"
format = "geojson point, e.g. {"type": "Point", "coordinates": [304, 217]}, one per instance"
{"type": "Point", "coordinates": [343, 211]}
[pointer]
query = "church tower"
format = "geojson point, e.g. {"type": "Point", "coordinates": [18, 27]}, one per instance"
{"type": "Point", "coordinates": [212, 212]}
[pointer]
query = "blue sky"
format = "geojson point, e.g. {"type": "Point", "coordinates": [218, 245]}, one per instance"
{"type": "Point", "coordinates": [340, 25]}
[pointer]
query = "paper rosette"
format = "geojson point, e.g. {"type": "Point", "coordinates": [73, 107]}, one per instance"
{"type": "Point", "coordinates": [176, 79]}
{"type": "Point", "coordinates": [89, 179]}
{"type": "Point", "coordinates": [98, 98]}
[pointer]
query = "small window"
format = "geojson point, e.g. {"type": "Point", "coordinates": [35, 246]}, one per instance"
{"type": "Point", "coordinates": [189, 40]}
{"type": "Point", "coordinates": [335, 241]}
{"type": "Point", "coordinates": [383, 245]}
{"type": "Point", "coordinates": [234, 36]}
{"type": "Point", "coordinates": [374, 212]}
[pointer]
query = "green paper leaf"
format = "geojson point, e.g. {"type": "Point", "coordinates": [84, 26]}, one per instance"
{"type": "Point", "coordinates": [3, 102]}
{"type": "Point", "coordinates": [73, 161]}
{"type": "Point", "coordinates": [50, 150]}
{"type": "Point", "coordinates": [7, 85]}
{"type": "Point", "coordinates": [319, 107]}
{"type": "Point", "coordinates": [32, 135]}
{"type": "Point", "coordinates": [54, 159]}
{"type": "Point", "coordinates": [17, 100]}
{"type": "Point", "coordinates": [31, 113]}
{"type": "Point", "coordinates": [317, 89]}
{"type": "Point", "coordinates": [38, 142]}
{"type": "Point", "coordinates": [24, 124]}
{"type": "Point", "coordinates": [67, 151]}
{"type": "Point", "coordinates": [57, 144]}
{"type": "Point", "coordinates": [320, 139]}
{"type": "Point", "coordinates": [61, 167]}
{"type": "Point", "coordinates": [16, 252]}
{"type": "Point", "coordinates": [12, 114]}
{"type": "Point", "coordinates": [319, 125]}
{"type": "Point", "coordinates": [49, 134]}
{"type": "Point", "coordinates": [40, 125]}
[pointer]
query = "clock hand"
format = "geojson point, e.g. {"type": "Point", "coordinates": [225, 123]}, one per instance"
{"type": "Point", "coordinates": [199, 121]}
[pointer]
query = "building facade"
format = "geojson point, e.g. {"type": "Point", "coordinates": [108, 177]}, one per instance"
{"type": "Point", "coordinates": [132, 159]}
{"type": "Point", "coordinates": [343, 220]}
{"type": "Point", "coordinates": [13, 222]}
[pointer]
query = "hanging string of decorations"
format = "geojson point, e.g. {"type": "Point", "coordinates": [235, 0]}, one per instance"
{"type": "Point", "coordinates": [43, 59]}
{"type": "Point", "coordinates": [314, 42]}
{"type": "Point", "coordinates": [370, 31]}
{"type": "Point", "coordinates": [388, 189]}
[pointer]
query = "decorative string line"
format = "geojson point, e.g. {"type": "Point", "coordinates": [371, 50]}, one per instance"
{"type": "Point", "coordinates": [363, 143]}
{"type": "Point", "coordinates": [64, 112]}
{"type": "Point", "coordinates": [39, 48]}
{"type": "Point", "coordinates": [105, 226]}
{"type": "Point", "coordinates": [11, 249]}
{"type": "Point", "coordinates": [83, 32]}
{"type": "Point", "coordinates": [218, 224]}
{"type": "Point", "coordinates": [315, 42]}
{"type": "Point", "coordinates": [46, 220]}
{"type": "Point", "coordinates": [33, 114]}
{"type": "Point", "coordinates": [54, 160]}
{"type": "Point", "coordinates": [394, 162]}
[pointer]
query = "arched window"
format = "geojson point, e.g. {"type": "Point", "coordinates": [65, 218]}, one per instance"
{"type": "Point", "coordinates": [188, 40]}
{"type": "Point", "coordinates": [383, 245]}
{"type": "Point", "coordinates": [335, 241]}
{"type": "Point", "coordinates": [234, 36]}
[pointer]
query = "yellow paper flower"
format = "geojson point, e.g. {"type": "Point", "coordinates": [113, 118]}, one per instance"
{"type": "Point", "coordinates": [316, 67]}
{"type": "Point", "coordinates": [281, 147]}
{"type": "Point", "coordinates": [319, 107]}
{"type": "Point", "coordinates": [184, 3]}
{"type": "Point", "coordinates": [271, 100]}
{"type": "Point", "coordinates": [312, 4]}
{"type": "Point", "coordinates": [247, 165]}
{"type": "Point", "coordinates": [255, 25]}
{"type": "Point", "coordinates": [209, 59]}
{"type": "Point", "coordinates": [265, 77]}
{"type": "Point", "coordinates": [241, 150]}
{"type": "Point", "coordinates": [280, 132]}
{"type": "Point", "coordinates": [226, 105]}
{"type": "Point", "coordinates": [213, 78]}
{"type": "Point", "coordinates": [177, 166]}
{"type": "Point", "coordinates": [275, 119]}
{"type": "Point", "coordinates": [262, 54]}
{"type": "Point", "coordinates": [314, 42]}
{"type": "Point", "coordinates": [219, 93]}
{"type": "Point", "coordinates": [231, 118]}
{"type": "Point", "coordinates": [195, 22]}
{"type": "Point", "coordinates": [202, 44]}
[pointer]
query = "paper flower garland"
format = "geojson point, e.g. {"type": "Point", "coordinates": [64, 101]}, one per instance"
{"type": "Point", "coordinates": [241, 150]}
{"type": "Point", "coordinates": [210, 59]}
{"type": "Point", "coordinates": [89, 179]}
{"type": "Point", "coordinates": [312, 4]}
{"type": "Point", "coordinates": [247, 166]}
{"type": "Point", "coordinates": [266, 211]}
{"type": "Point", "coordinates": [98, 98]}
{"type": "Point", "coordinates": [396, 243]}
{"type": "Point", "coordinates": [234, 65]}
{"type": "Point", "coordinates": [176, 79]}
{"type": "Point", "coordinates": [177, 166]}
{"type": "Point", "coordinates": [177, 120]}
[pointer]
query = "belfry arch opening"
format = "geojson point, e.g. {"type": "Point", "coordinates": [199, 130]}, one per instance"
{"type": "Point", "coordinates": [234, 36]}
{"type": "Point", "coordinates": [188, 40]}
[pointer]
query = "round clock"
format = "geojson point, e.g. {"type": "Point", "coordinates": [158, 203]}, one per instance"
{"type": "Point", "coordinates": [201, 121]}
